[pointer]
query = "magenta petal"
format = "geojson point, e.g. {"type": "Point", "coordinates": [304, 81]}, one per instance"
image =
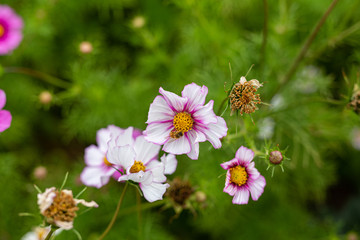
{"type": "Point", "coordinates": [252, 171]}
{"type": "Point", "coordinates": [195, 94]}
{"type": "Point", "coordinates": [241, 196]}
{"type": "Point", "coordinates": [244, 154]}
{"type": "Point", "coordinates": [160, 111]}
{"type": "Point", "coordinates": [174, 101]}
{"type": "Point", "coordinates": [256, 187]}
{"type": "Point", "coordinates": [5, 120]}
{"type": "Point", "coordinates": [2, 99]}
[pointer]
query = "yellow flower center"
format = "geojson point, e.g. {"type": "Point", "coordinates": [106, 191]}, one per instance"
{"type": "Point", "coordinates": [137, 167]}
{"type": "Point", "coordinates": [107, 163]}
{"type": "Point", "coordinates": [183, 122]}
{"type": "Point", "coordinates": [238, 175]}
{"type": "Point", "coordinates": [2, 30]}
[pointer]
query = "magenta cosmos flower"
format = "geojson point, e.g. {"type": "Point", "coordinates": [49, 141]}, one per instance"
{"type": "Point", "coordinates": [98, 171]}
{"type": "Point", "coordinates": [5, 116]}
{"type": "Point", "coordinates": [180, 123]}
{"type": "Point", "coordinates": [242, 178]}
{"type": "Point", "coordinates": [10, 30]}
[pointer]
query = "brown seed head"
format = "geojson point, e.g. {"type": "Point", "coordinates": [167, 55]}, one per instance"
{"type": "Point", "coordinates": [179, 191]}
{"type": "Point", "coordinates": [243, 97]}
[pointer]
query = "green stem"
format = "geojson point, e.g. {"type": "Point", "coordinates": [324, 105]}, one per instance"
{"type": "Point", "coordinates": [115, 214]}
{"type": "Point", "coordinates": [52, 230]}
{"type": "Point", "coordinates": [40, 75]}
{"type": "Point", "coordinates": [305, 48]}
{"type": "Point", "coordinates": [138, 206]}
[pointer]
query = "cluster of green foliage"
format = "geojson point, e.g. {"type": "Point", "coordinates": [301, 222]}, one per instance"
{"type": "Point", "coordinates": [184, 41]}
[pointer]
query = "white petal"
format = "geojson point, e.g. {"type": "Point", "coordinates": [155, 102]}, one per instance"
{"type": "Point", "coordinates": [94, 156]}
{"type": "Point", "coordinates": [195, 94]}
{"type": "Point", "coordinates": [145, 151]}
{"type": "Point", "coordinates": [175, 102]}
{"type": "Point", "coordinates": [241, 196]}
{"type": "Point", "coordinates": [157, 170]}
{"type": "Point", "coordinates": [177, 146]}
{"type": "Point", "coordinates": [126, 137]}
{"type": "Point", "coordinates": [205, 114]}
{"type": "Point", "coordinates": [86, 204]}
{"type": "Point", "coordinates": [194, 153]}
{"type": "Point", "coordinates": [242, 80]}
{"type": "Point", "coordinates": [123, 156]}
{"type": "Point", "coordinates": [102, 138]}
{"type": "Point", "coordinates": [46, 198]}
{"type": "Point", "coordinates": [160, 111]}
{"type": "Point", "coordinates": [139, 177]}
{"type": "Point", "coordinates": [96, 176]}
{"type": "Point", "coordinates": [64, 225]}
{"type": "Point", "coordinates": [170, 163]}
{"type": "Point", "coordinates": [158, 133]}
{"type": "Point", "coordinates": [257, 187]}
{"type": "Point", "coordinates": [154, 191]}
{"type": "Point", "coordinates": [244, 154]}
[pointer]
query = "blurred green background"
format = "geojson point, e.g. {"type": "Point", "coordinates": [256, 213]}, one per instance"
{"type": "Point", "coordinates": [138, 46]}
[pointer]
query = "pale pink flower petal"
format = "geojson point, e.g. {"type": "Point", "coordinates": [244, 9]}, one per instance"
{"type": "Point", "coordinates": [229, 164]}
{"type": "Point", "coordinates": [154, 192]}
{"type": "Point", "coordinates": [158, 133]}
{"type": "Point", "coordinates": [244, 154]}
{"type": "Point", "coordinates": [160, 111]}
{"type": "Point", "coordinates": [95, 176]}
{"type": "Point", "coordinates": [145, 151]}
{"type": "Point", "coordinates": [205, 114]}
{"type": "Point", "coordinates": [85, 203]}
{"type": "Point", "coordinates": [177, 146]}
{"type": "Point", "coordinates": [257, 187]}
{"type": "Point", "coordinates": [157, 170]}
{"type": "Point", "coordinates": [2, 99]}
{"type": "Point", "coordinates": [215, 131]}
{"type": "Point", "coordinates": [94, 156]}
{"type": "Point", "coordinates": [11, 25]}
{"type": "Point", "coordinates": [123, 156]}
{"type": "Point", "coordinates": [241, 196]}
{"type": "Point", "coordinates": [170, 163]}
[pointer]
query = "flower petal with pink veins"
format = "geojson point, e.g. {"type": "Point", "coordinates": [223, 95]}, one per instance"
{"type": "Point", "coordinates": [5, 120]}
{"type": "Point", "coordinates": [256, 187]}
{"type": "Point", "coordinates": [174, 101]}
{"type": "Point", "coordinates": [244, 154]}
{"type": "Point", "coordinates": [145, 151]}
{"type": "Point", "coordinates": [252, 171]}
{"type": "Point", "coordinates": [241, 196]}
{"type": "Point", "coordinates": [205, 114]}
{"type": "Point", "coordinates": [158, 133]}
{"type": "Point", "coordinates": [160, 111]}
{"type": "Point", "coordinates": [178, 146]}
{"type": "Point", "coordinates": [214, 131]}
{"type": "Point", "coordinates": [229, 164]}
{"type": "Point", "coordinates": [196, 95]}
{"type": "Point", "coordinates": [154, 191]}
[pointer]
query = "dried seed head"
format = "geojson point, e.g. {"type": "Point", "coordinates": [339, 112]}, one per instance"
{"type": "Point", "coordinates": [243, 96]}
{"type": "Point", "coordinates": [355, 102]}
{"type": "Point", "coordinates": [179, 191]}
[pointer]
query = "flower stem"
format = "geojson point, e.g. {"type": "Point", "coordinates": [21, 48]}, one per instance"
{"type": "Point", "coordinates": [40, 75]}
{"type": "Point", "coordinates": [115, 214]}
{"type": "Point", "coordinates": [305, 47]}
{"type": "Point", "coordinates": [138, 209]}
{"type": "Point", "coordinates": [52, 230]}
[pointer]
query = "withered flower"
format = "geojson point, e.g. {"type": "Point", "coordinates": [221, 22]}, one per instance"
{"type": "Point", "coordinates": [243, 96]}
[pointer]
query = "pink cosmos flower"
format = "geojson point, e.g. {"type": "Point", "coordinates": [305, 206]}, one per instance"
{"type": "Point", "coordinates": [180, 123]}
{"type": "Point", "coordinates": [98, 171]}
{"type": "Point", "coordinates": [242, 178]}
{"type": "Point", "coordinates": [140, 164]}
{"type": "Point", "coordinates": [5, 116]}
{"type": "Point", "coordinates": [10, 30]}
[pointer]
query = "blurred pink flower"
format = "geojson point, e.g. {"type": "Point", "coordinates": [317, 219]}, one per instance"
{"type": "Point", "coordinates": [10, 30]}
{"type": "Point", "coordinates": [98, 171]}
{"type": "Point", "coordinates": [139, 160]}
{"type": "Point", "coordinates": [242, 178]}
{"type": "Point", "coordinates": [180, 123]}
{"type": "Point", "coordinates": [5, 116]}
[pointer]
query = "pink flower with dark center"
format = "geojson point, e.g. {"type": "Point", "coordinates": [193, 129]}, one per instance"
{"type": "Point", "coordinates": [98, 171]}
{"type": "Point", "coordinates": [242, 178]}
{"type": "Point", "coordinates": [5, 116]}
{"type": "Point", "coordinates": [180, 123]}
{"type": "Point", "coordinates": [10, 30]}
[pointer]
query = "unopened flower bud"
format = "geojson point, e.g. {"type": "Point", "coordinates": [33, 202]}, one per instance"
{"type": "Point", "coordinates": [200, 196]}
{"type": "Point", "coordinates": [275, 157]}
{"type": "Point", "coordinates": [85, 47]}
{"type": "Point", "coordinates": [45, 97]}
{"type": "Point", "coordinates": [138, 22]}
{"type": "Point", "coordinates": [40, 172]}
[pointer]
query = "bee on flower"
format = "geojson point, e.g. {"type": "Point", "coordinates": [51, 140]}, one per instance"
{"type": "Point", "coordinates": [243, 97]}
